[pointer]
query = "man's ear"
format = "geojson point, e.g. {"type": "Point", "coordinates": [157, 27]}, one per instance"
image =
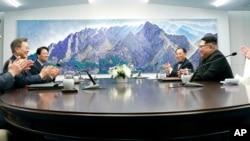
{"type": "Point", "coordinates": [16, 49]}
{"type": "Point", "coordinates": [212, 47]}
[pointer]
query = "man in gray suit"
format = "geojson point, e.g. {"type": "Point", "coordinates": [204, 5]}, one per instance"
{"type": "Point", "coordinates": [20, 47]}
{"type": "Point", "coordinates": [14, 68]}
{"type": "Point", "coordinates": [6, 81]}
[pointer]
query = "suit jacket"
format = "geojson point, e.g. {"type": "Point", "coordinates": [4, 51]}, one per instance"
{"type": "Point", "coordinates": [36, 69]}
{"type": "Point", "coordinates": [24, 78]}
{"type": "Point", "coordinates": [185, 64]}
{"type": "Point", "coordinates": [216, 71]}
{"type": "Point", "coordinates": [6, 81]}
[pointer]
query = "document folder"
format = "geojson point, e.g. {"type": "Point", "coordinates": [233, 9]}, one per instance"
{"type": "Point", "coordinates": [45, 86]}
{"type": "Point", "coordinates": [169, 79]}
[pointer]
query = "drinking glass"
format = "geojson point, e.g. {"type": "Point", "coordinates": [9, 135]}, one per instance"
{"type": "Point", "coordinates": [68, 81]}
{"type": "Point", "coordinates": [186, 76]}
{"type": "Point", "coordinates": [162, 74]}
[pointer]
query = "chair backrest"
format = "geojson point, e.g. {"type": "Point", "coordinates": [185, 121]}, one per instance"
{"type": "Point", "coordinates": [5, 135]}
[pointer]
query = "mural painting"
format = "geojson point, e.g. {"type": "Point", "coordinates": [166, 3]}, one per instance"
{"type": "Point", "coordinates": [97, 45]}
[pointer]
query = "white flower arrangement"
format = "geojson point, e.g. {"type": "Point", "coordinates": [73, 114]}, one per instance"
{"type": "Point", "coordinates": [121, 71]}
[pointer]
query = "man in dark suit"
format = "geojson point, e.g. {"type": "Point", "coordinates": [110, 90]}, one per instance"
{"type": "Point", "coordinates": [216, 71]}
{"type": "Point", "coordinates": [182, 63]}
{"type": "Point", "coordinates": [41, 61]}
{"type": "Point", "coordinates": [20, 48]}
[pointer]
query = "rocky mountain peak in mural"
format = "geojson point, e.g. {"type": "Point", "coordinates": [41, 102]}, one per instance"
{"type": "Point", "coordinates": [98, 49]}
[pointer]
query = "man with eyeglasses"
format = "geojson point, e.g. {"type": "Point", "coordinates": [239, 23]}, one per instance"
{"type": "Point", "coordinates": [217, 70]}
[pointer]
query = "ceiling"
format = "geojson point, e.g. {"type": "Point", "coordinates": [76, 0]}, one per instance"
{"type": "Point", "coordinates": [233, 5]}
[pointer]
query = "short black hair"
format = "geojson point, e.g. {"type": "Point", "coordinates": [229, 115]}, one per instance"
{"type": "Point", "coordinates": [39, 50]}
{"type": "Point", "coordinates": [183, 49]}
{"type": "Point", "coordinates": [210, 39]}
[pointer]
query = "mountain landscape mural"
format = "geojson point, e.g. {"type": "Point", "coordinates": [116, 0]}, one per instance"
{"type": "Point", "coordinates": [146, 45]}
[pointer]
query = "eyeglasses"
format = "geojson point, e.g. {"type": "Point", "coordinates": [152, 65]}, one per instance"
{"type": "Point", "coordinates": [201, 46]}
{"type": "Point", "coordinates": [25, 48]}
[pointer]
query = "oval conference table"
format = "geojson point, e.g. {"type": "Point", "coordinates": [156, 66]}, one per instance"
{"type": "Point", "coordinates": [138, 109]}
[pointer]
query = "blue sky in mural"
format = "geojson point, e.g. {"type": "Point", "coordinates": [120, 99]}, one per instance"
{"type": "Point", "coordinates": [103, 43]}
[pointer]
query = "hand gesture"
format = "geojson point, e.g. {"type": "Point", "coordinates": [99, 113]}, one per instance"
{"type": "Point", "coordinates": [29, 64]}
{"type": "Point", "coordinates": [180, 72]}
{"type": "Point", "coordinates": [45, 72]}
{"type": "Point", "coordinates": [17, 66]}
{"type": "Point", "coordinates": [245, 51]}
{"type": "Point", "coordinates": [167, 68]}
{"type": "Point", "coordinates": [54, 72]}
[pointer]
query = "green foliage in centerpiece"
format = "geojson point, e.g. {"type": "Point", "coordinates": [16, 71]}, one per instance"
{"type": "Point", "coordinates": [123, 71]}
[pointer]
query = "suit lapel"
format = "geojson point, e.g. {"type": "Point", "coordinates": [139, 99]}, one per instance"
{"type": "Point", "coordinates": [183, 63]}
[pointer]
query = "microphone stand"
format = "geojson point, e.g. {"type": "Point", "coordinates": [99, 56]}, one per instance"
{"type": "Point", "coordinates": [94, 86]}
{"type": "Point", "coordinates": [192, 84]}
{"type": "Point", "coordinates": [139, 74]}
{"type": "Point", "coordinates": [233, 54]}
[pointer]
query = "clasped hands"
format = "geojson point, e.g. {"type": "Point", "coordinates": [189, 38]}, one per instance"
{"type": "Point", "coordinates": [49, 71]}
{"type": "Point", "coordinates": [17, 66]}
{"type": "Point", "coordinates": [168, 69]}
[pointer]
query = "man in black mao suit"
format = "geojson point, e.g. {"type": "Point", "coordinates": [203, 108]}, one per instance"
{"type": "Point", "coordinates": [20, 48]}
{"type": "Point", "coordinates": [182, 63]}
{"type": "Point", "coordinates": [217, 70]}
{"type": "Point", "coordinates": [41, 61]}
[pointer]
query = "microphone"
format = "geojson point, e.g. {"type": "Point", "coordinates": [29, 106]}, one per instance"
{"type": "Point", "coordinates": [94, 86]}
{"type": "Point", "coordinates": [191, 84]}
{"type": "Point", "coordinates": [64, 68]}
{"type": "Point", "coordinates": [58, 64]}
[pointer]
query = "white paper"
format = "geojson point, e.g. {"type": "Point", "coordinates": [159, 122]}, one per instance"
{"type": "Point", "coordinates": [231, 81]}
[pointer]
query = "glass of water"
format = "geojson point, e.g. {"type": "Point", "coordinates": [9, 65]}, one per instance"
{"type": "Point", "coordinates": [162, 74]}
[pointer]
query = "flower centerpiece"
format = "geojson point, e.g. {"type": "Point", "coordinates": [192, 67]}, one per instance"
{"type": "Point", "coordinates": [121, 72]}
